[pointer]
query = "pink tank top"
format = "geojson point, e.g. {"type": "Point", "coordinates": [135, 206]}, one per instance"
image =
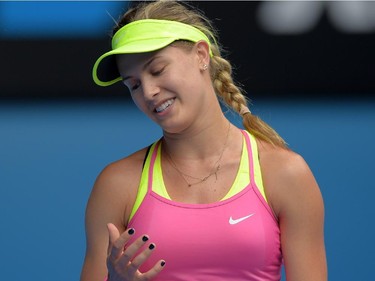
{"type": "Point", "coordinates": [237, 238]}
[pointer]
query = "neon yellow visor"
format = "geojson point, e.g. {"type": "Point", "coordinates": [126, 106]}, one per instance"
{"type": "Point", "coordinates": [144, 36]}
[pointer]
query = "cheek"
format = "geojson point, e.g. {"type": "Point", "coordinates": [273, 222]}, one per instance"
{"type": "Point", "coordinates": [185, 79]}
{"type": "Point", "coordinates": [191, 84]}
{"type": "Point", "coordinates": [139, 102]}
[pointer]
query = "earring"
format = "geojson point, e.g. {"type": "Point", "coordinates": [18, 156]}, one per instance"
{"type": "Point", "coordinates": [205, 67]}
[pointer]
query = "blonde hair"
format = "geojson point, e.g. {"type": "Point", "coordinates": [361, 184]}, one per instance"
{"type": "Point", "coordinates": [220, 68]}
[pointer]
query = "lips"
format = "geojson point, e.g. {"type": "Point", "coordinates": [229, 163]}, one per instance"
{"type": "Point", "coordinates": [164, 105]}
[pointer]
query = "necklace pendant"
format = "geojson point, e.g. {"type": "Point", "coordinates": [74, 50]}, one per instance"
{"type": "Point", "coordinates": [213, 170]}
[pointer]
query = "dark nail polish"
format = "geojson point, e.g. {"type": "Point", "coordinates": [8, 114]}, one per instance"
{"type": "Point", "coordinates": [162, 263]}
{"type": "Point", "coordinates": [131, 231]}
{"type": "Point", "coordinates": [151, 247]}
{"type": "Point", "coordinates": [144, 238]}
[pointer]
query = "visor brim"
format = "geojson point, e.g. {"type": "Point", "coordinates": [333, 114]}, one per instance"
{"type": "Point", "coordinates": [105, 71]}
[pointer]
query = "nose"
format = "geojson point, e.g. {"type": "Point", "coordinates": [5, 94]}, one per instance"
{"type": "Point", "coordinates": [150, 89]}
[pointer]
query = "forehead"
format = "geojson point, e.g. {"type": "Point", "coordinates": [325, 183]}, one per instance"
{"type": "Point", "coordinates": [128, 61]}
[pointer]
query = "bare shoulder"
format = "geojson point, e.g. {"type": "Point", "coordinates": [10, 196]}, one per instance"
{"type": "Point", "coordinates": [116, 187]}
{"type": "Point", "coordinates": [295, 198]}
{"type": "Point", "coordinates": [126, 170]}
{"type": "Point", "coordinates": [288, 179]}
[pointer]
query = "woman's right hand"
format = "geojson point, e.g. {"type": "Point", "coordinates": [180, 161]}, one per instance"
{"type": "Point", "coordinates": [122, 263]}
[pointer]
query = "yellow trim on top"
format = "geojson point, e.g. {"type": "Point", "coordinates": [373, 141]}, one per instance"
{"type": "Point", "coordinates": [243, 175]}
{"type": "Point", "coordinates": [158, 184]}
{"type": "Point", "coordinates": [143, 184]}
{"type": "Point", "coordinates": [240, 182]}
{"type": "Point", "coordinates": [257, 170]}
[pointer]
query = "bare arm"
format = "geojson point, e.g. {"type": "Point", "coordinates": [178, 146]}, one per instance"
{"type": "Point", "coordinates": [110, 201]}
{"type": "Point", "coordinates": [107, 214]}
{"type": "Point", "coordinates": [297, 202]}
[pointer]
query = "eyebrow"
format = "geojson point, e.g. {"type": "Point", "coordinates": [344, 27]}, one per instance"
{"type": "Point", "coordinates": [144, 66]}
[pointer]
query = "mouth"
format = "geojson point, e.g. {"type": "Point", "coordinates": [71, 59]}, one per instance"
{"type": "Point", "coordinates": [164, 106]}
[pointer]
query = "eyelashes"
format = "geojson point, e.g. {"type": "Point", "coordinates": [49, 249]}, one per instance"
{"type": "Point", "coordinates": [134, 84]}
{"type": "Point", "coordinates": [131, 84]}
{"type": "Point", "coordinates": [158, 72]}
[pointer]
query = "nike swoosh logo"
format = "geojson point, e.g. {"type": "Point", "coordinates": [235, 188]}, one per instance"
{"type": "Point", "coordinates": [235, 221]}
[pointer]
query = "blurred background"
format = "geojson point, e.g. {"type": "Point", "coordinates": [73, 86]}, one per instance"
{"type": "Point", "coordinates": [308, 67]}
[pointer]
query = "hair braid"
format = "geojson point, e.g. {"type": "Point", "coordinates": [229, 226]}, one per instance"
{"type": "Point", "coordinates": [232, 95]}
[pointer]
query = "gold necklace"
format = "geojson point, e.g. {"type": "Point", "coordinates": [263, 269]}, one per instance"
{"type": "Point", "coordinates": [214, 170]}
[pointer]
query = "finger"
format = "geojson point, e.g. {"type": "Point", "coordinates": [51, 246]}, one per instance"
{"type": "Point", "coordinates": [117, 241]}
{"type": "Point", "coordinates": [154, 271]}
{"type": "Point", "coordinates": [114, 234]}
{"type": "Point", "coordinates": [141, 258]}
{"type": "Point", "coordinates": [131, 250]}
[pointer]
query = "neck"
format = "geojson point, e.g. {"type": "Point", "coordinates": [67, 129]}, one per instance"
{"type": "Point", "coordinates": [212, 171]}
{"type": "Point", "coordinates": [199, 142]}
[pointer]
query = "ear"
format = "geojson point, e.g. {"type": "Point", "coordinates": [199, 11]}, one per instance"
{"type": "Point", "coordinates": [203, 53]}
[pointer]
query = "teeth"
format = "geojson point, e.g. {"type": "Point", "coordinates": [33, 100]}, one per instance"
{"type": "Point", "coordinates": [164, 105]}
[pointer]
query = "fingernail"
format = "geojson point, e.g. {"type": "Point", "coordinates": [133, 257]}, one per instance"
{"type": "Point", "coordinates": [144, 238]}
{"type": "Point", "coordinates": [162, 263]}
{"type": "Point", "coordinates": [151, 247]}
{"type": "Point", "coordinates": [131, 231]}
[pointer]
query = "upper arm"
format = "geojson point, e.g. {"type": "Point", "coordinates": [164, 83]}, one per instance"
{"type": "Point", "coordinates": [110, 201]}
{"type": "Point", "coordinates": [298, 204]}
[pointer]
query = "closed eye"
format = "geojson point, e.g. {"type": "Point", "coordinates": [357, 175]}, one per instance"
{"type": "Point", "coordinates": [131, 84]}
{"type": "Point", "coordinates": [158, 72]}
{"type": "Point", "coordinates": [135, 86]}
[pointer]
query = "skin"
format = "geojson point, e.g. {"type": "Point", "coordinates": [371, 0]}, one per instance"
{"type": "Point", "coordinates": [190, 126]}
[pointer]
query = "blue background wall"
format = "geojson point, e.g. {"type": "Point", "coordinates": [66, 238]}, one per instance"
{"type": "Point", "coordinates": [51, 150]}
